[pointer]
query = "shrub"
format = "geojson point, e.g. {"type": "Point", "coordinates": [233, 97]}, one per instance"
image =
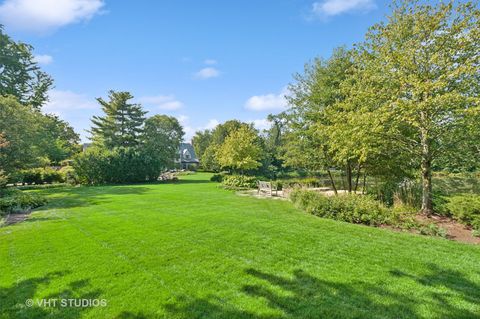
{"type": "Point", "coordinates": [239, 181]}
{"type": "Point", "coordinates": [14, 200]}
{"type": "Point", "coordinates": [476, 232]}
{"type": "Point", "coordinates": [433, 230]}
{"type": "Point", "coordinates": [68, 173]}
{"type": "Point", "coordinates": [351, 208]}
{"type": "Point", "coordinates": [463, 207]}
{"type": "Point", "coordinates": [33, 175]}
{"type": "Point", "coordinates": [122, 165]}
{"type": "Point", "coordinates": [217, 178]}
{"type": "Point", "coordinates": [38, 176]}
{"type": "Point", "coordinates": [49, 175]}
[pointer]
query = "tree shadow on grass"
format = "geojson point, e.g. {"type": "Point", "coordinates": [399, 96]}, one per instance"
{"type": "Point", "coordinates": [191, 181]}
{"type": "Point", "coordinates": [14, 301]}
{"type": "Point", "coordinates": [305, 296]}
{"type": "Point", "coordinates": [131, 315]}
{"type": "Point", "coordinates": [88, 196]}
{"type": "Point", "coordinates": [456, 284]}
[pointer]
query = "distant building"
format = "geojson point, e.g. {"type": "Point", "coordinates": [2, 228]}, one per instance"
{"type": "Point", "coordinates": [85, 146]}
{"type": "Point", "coordinates": [186, 156]}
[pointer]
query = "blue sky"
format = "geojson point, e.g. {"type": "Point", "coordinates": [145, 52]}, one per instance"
{"type": "Point", "coordinates": [202, 61]}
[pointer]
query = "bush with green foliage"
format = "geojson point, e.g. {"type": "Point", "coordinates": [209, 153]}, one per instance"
{"type": "Point", "coordinates": [217, 178]}
{"type": "Point", "coordinates": [50, 175]}
{"type": "Point", "coordinates": [476, 232]}
{"type": "Point", "coordinates": [433, 230]}
{"type": "Point", "coordinates": [239, 181]}
{"type": "Point", "coordinates": [358, 209]}
{"type": "Point", "coordinates": [13, 200]}
{"type": "Point", "coordinates": [463, 207]}
{"type": "Point", "coordinates": [38, 176]}
{"type": "Point", "coordinates": [121, 165]}
{"type": "Point", "coordinates": [68, 173]}
{"type": "Point", "coordinates": [31, 176]}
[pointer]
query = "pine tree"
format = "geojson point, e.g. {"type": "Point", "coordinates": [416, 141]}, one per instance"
{"type": "Point", "coordinates": [122, 124]}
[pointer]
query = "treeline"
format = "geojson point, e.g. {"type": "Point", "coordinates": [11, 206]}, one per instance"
{"type": "Point", "coordinates": [28, 138]}
{"type": "Point", "coordinates": [41, 148]}
{"type": "Point", "coordinates": [395, 107]}
{"type": "Point", "coordinates": [239, 148]}
{"type": "Point", "coordinates": [127, 146]}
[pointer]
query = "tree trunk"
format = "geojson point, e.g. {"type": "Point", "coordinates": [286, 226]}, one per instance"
{"type": "Point", "coordinates": [426, 167]}
{"type": "Point", "coordinates": [364, 182]}
{"type": "Point", "coordinates": [359, 169]}
{"type": "Point", "coordinates": [349, 177]}
{"type": "Point", "coordinates": [333, 183]}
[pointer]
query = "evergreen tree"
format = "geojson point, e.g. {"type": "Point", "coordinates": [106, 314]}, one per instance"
{"type": "Point", "coordinates": [122, 124]}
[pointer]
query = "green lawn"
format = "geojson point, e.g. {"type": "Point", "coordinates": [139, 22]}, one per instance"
{"type": "Point", "coordinates": [193, 250]}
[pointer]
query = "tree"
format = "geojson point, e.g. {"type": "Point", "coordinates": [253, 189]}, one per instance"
{"type": "Point", "coordinates": [20, 75]}
{"type": "Point", "coordinates": [273, 139]}
{"type": "Point", "coordinates": [122, 124]}
{"type": "Point", "coordinates": [20, 127]}
{"type": "Point", "coordinates": [3, 176]}
{"type": "Point", "coordinates": [200, 141]}
{"type": "Point", "coordinates": [162, 137]}
{"type": "Point", "coordinates": [208, 159]}
{"type": "Point", "coordinates": [59, 141]}
{"type": "Point", "coordinates": [314, 97]}
{"type": "Point", "coordinates": [419, 80]}
{"type": "Point", "coordinates": [240, 150]}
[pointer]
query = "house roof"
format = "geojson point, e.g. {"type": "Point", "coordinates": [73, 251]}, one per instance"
{"type": "Point", "coordinates": [185, 150]}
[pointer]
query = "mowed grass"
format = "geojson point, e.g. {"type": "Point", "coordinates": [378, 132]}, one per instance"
{"type": "Point", "coordinates": [193, 250]}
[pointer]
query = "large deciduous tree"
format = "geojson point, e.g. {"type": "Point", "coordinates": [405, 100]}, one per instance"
{"type": "Point", "coordinates": [162, 137]}
{"type": "Point", "coordinates": [200, 141]}
{"type": "Point", "coordinates": [240, 150]}
{"type": "Point", "coordinates": [21, 127]}
{"type": "Point", "coordinates": [419, 78]}
{"type": "Point", "coordinates": [313, 97]}
{"type": "Point", "coordinates": [20, 75]}
{"type": "Point", "coordinates": [208, 159]}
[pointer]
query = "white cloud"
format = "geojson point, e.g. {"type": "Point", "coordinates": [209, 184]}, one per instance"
{"type": "Point", "coordinates": [212, 123]}
{"type": "Point", "coordinates": [46, 15]}
{"type": "Point", "coordinates": [261, 124]}
{"type": "Point", "coordinates": [210, 61]}
{"type": "Point", "coordinates": [191, 130]}
{"type": "Point", "coordinates": [162, 102]}
{"type": "Point", "coordinates": [329, 8]}
{"type": "Point", "coordinates": [43, 59]}
{"type": "Point", "coordinates": [187, 128]}
{"type": "Point", "coordinates": [267, 102]}
{"type": "Point", "coordinates": [62, 102]}
{"type": "Point", "coordinates": [207, 73]}
{"type": "Point", "coordinates": [183, 119]}
{"type": "Point", "coordinates": [77, 109]}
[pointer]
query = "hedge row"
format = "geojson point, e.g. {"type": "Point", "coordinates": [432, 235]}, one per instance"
{"type": "Point", "coordinates": [358, 209]}
{"type": "Point", "coordinates": [14, 200]}
{"type": "Point", "coordinates": [38, 176]}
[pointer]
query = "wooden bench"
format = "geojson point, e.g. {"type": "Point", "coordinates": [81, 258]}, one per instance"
{"type": "Point", "coordinates": [266, 188]}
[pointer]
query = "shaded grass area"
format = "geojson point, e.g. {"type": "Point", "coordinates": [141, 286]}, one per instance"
{"type": "Point", "coordinates": [193, 250]}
